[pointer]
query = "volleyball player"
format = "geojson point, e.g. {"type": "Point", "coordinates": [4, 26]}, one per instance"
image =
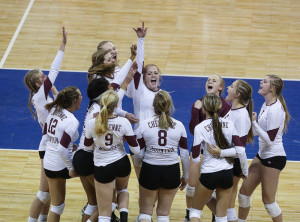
{"type": "Point", "coordinates": [40, 85]}
{"type": "Point", "coordinates": [216, 172]}
{"type": "Point", "coordinates": [215, 84]}
{"type": "Point", "coordinates": [60, 133]}
{"type": "Point", "coordinates": [266, 167]}
{"type": "Point", "coordinates": [160, 138]}
{"type": "Point", "coordinates": [240, 96]}
{"type": "Point", "coordinates": [105, 136]}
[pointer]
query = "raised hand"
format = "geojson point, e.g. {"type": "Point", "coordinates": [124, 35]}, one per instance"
{"type": "Point", "coordinates": [64, 40]}
{"type": "Point", "coordinates": [141, 31]}
{"type": "Point", "coordinates": [133, 49]}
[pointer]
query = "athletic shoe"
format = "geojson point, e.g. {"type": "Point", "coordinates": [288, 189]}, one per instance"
{"type": "Point", "coordinates": [83, 209]}
{"type": "Point", "coordinates": [114, 217]}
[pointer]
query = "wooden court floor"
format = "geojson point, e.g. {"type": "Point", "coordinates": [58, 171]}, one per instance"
{"type": "Point", "coordinates": [236, 38]}
{"type": "Point", "coordinates": [19, 182]}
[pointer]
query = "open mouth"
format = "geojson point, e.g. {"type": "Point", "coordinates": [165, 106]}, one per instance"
{"type": "Point", "coordinates": [209, 87]}
{"type": "Point", "coordinates": [153, 81]}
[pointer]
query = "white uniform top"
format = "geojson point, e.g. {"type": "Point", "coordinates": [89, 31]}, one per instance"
{"type": "Point", "coordinates": [161, 145]}
{"type": "Point", "coordinates": [241, 120]}
{"type": "Point", "coordinates": [204, 134]}
{"type": "Point", "coordinates": [91, 113]}
{"type": "Point", "coordinates": [109, 147]}
{"type": "Point", "coordinates": [270, 129]}
{"type": "Point", "coordinates": [142, 96]}
{"type": "Point", "coordinates": [60, 132]}
{"type": "Point", "coordinates": [41, 98]}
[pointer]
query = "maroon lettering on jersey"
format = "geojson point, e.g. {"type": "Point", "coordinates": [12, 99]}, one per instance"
{"type": "Point", "coordinates": [272, 134]}
{"type": "Point", "coordinates": [47, 87]}
{"type": "Point", "coordinates": [65, 140]}
{"type": "Point", "coordinates": [196, 151]}
{"type": "Point", "coordinates": [183, 143]}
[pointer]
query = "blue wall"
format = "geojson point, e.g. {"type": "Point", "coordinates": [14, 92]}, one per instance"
{"type": "Point", "coordinates": [18, 130]}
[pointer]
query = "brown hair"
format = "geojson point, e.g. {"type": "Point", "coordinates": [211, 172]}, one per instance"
{"type": "Point", "coordinates": [30, 80]}
{"type": "Point", "coordinates": [277, 84]}
{"type": "Point", "coordinates": [245, 98]}
{"type": "Point", "coordinates": [163, 106]}
{"type": "Point", "coordinates": [108, 102]}
{"type": "Point", "coordinates": [212, 104]}
{"type": "Point", "coordinates": [64, 99]}
{"type": "Point", "coordinates": [98, 68]}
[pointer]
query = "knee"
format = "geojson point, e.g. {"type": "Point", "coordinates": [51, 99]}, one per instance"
{"type": "Point", "coordinates": [190, 191]}
{"type": "Point", "coordinates": [273, 209]}
{"type": "Point", "coordinates": [58, 209]}
{"type": "Point", "coordinates": [266, 199]}
{"type": "Point", "coordinates": [244, 201]}
{"type": "Point", "coordinates": [43, 196]}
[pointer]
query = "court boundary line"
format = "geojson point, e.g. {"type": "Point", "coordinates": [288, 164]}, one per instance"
{"type": "Point", "coordinates": [205, 76]}
{"type": "Point", "coordinates": [8, 149]}
{"type": "Point", "coordinates": [13, 39]}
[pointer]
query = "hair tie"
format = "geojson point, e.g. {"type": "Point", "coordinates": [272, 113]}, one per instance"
{"type": "Point", "coordinates": [163, 113]}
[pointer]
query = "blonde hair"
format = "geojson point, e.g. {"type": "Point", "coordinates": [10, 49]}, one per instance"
{"type": "Point", "coordinates": [103, 43]}
{"type": "Point", "coordinates": [30, 80]}
{"type": "Point", "coordinates": [212, 104]}
{"type": "Point", "coordinates": [277, 84]}
{"type": "Point", "coordinates": [245, 98]}
{"type": "Point", "coordinates": [163, 106]}
{"type": "Point", "coordinates": [64, 99]}
{"type": "Point", "coordinates": [108, 102]}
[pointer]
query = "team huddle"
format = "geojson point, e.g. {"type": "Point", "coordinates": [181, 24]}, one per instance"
{"type": "Point", "coordinates": [211, 171]}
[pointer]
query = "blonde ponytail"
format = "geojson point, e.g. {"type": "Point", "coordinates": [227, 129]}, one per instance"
{"type": "Point", "coordinates": [108, 102]}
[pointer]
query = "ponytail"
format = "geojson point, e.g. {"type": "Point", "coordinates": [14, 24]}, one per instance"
{"type": "Point", "coordinates": [287, 115]}
{"type": "Point", "coordinates": [277, 83]}
{"type": "Point", "coordinates": [218, 133]}
{"type": "Point", "coordinates": [163, 106]}
{"type": "Point", "coordinates": [30, 80]}
{"type": "Point", "coordinates": [64, 99]}
{"type": "Point", "coordinates": [249, 107]}
{"type": "Point", "coordinates": [109, 100]}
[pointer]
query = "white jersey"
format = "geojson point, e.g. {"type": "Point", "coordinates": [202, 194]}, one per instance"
{"type": "Point", "coordinates": [161, 145]}
{"type": "Point", "coordinates": [241, 120]}
{"type": "Point", "coordinates": [41, 98]}
{"type": "Point", "coordinates": [60, 132]}
{"type": "Point", "coordinates": [141, 95]}
{"type": "Point", "coordinates": [109, 147]}
{"type": "Point", "coordinates": [204, 134]}
{"type": "Point", "coordinates": [91, 113]}
{"type": "Point", "coordinates": [270, 130]}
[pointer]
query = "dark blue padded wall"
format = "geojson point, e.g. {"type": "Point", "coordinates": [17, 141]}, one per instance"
{"type": "Point", "coordinates": [18, 130]}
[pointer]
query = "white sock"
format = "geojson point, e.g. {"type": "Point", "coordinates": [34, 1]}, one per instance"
{"type": "Point", "coordinates": [30, 219]}
{"type": "Point", "coordinates": [43, 218]}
